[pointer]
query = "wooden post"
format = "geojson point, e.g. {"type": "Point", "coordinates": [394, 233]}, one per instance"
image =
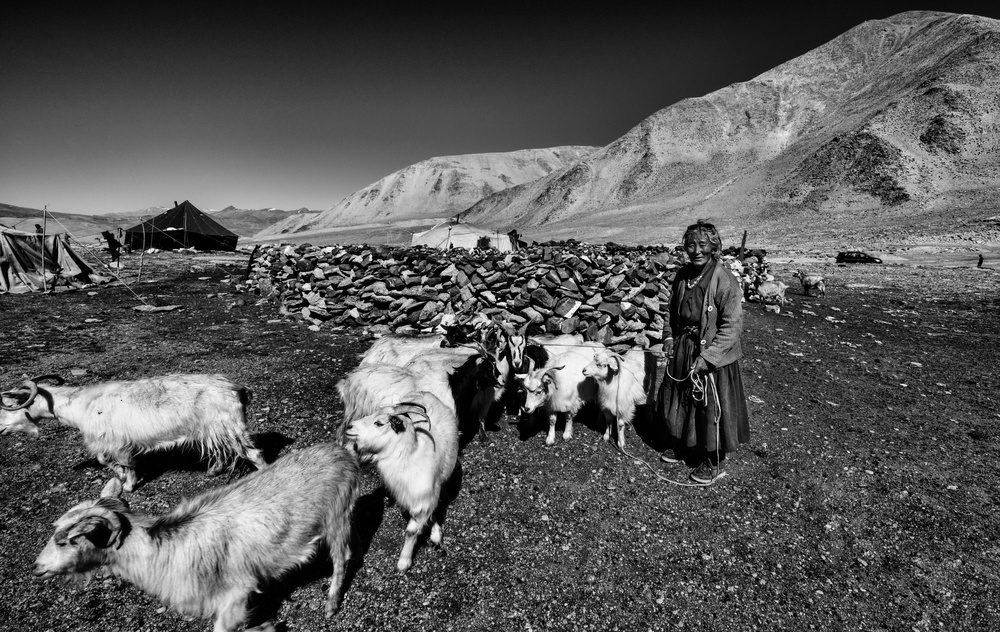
{"type": "Point", "coordinates": [743, 246]}
{"type": "Point", "coordinates": [142, 252]}
{"type": "Point", "coordinates": [250, 262]}
{"type": "Point", "coordinates": [45, 223]}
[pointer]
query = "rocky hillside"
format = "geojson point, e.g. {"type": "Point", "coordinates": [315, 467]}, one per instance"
{"type": "Point", "coordinates": [433, 189]}
{"type": "Point", "coordinates": [893, 125]}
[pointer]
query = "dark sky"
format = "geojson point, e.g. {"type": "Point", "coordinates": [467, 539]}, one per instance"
{"type": "Point", "coordinates": [115, 107]}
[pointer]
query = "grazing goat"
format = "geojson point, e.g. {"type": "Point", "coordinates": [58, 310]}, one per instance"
{"type": "Point", "coordinates": [811, 281]}
{"type": "Point", "coordinates": [414, 446]}
{"type": "Point", "coordinates": [559, 388]}
{"type": "Point", "coordinates": [621, 386]}
{"type": "Point", "coordinates": [122, 419]}
{"type": "Point", "coordinates": [212, 552]}
{"type": "Point", "coordinates": [771, 291]}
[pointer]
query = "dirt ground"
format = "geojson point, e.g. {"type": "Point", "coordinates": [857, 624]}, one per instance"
{"type": "Point", "coordinates": [865, 500]}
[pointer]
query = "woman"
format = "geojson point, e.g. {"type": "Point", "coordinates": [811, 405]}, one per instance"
{"type": "Point", "coordinates": [702, 399]}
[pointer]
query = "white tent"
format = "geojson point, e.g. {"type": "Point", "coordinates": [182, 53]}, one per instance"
{"type": "Point", "coordinates": [448, 235]}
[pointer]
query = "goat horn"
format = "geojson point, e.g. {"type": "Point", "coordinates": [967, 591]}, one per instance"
{"type": "Point", "coordinates": [32, 392]}
{"type": "Point", "coordinates": [413, 407]}
{"type": "Point", "coordinates": [57, 380]}
{"type": "Point", "coordinates": [413, 411]}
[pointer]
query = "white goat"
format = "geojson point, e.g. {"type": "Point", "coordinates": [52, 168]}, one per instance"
{"type": "Point", "coordinates": [560, 387]}
{"type": "Point", "coordinates": [811, 281]}
{"type": "Point", "coordinates": [122, 419]}
{"type": "Point", "coordinates": [212, 552]}
{"type": "Point", "coordinates": [771, 291]}
{"type": "Point", "coordinates": [399, 350]}
{"type": "Point", "coordinates": [414, 446]}
{"type": "Point", "coordinates": [621, 386]}
{"type": "Point", "coordinates": [370, 387]}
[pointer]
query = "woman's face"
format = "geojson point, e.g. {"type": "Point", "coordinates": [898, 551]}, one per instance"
{"type": "Point", "coordinates": [699, 249]}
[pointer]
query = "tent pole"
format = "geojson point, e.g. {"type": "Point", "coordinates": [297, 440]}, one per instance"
{"type": "Point", "coordinates": [45, 223]}
{"type": "Point", "coordinates": [142, 253]}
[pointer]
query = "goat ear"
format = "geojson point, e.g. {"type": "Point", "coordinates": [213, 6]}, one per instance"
{"type": "Point", "coordinates": [614, 364]}
{"type": "Point", "coordinates": [397, 424]}
{"type": "Point", "coordinates": [102, 529]}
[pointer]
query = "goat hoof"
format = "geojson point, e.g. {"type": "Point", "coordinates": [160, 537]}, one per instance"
{"type": "Point", "coordinates": [403, 566]}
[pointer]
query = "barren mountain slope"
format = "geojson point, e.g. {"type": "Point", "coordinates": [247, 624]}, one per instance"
{"type": "Point", "coordinates": [434, 188]}
{"type": "Point", "coordinates": [886, 125]}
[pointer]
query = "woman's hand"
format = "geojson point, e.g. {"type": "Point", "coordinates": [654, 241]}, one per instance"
{"type": "Point", "coordinates": [700, 367]}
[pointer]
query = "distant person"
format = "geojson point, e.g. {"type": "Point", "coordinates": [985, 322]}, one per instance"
{"type": "Point", "coordinates": [702, 401]}
{"type": "Point", "coordinates": [38, 229]}
{"type": "Point", "coordinates": [980, 264]}
{"type": "Point", "coordinates": [114, 246]}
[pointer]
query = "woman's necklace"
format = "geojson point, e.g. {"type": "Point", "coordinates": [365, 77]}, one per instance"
{"type": "Point", "coordinates": [690, 283]}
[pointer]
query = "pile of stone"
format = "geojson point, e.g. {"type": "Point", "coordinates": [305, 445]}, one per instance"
{"type": "Point", "coordinates": [616, 295]}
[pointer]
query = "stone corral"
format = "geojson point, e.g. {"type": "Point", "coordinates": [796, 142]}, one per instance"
{"type": "Point", "coordinates": [613, 294]}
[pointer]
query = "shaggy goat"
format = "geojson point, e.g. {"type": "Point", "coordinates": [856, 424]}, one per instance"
{"type": "Point", "coordinates": [212, 552]}
{"type": "Point", "coordinates": [621, 386]}
{"type": "Point", "coordinates": [414, 446]}
{"type": "Point", "coordinates": [560, 387]}
{"type": "Point", "coordinates": [811, 281]}
{"type": "Point", "coordinates": [122, 419]}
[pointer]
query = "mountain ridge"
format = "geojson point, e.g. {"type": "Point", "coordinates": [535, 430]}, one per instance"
{"type": "Point", "coordinates": [876, 119]}
{"type": "Point", "coordinates": [434, 189]}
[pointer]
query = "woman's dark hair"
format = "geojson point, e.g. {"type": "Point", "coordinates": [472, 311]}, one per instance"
{"type": "Point", "coordinates": [708, 230]}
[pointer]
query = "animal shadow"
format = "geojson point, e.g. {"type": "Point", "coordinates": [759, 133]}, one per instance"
{"type": "Point", "coordinates": [649, 429]}
{"type": "Point", "coordinates": [271, 444]}
{"type": "Point", "coordinates": [537, 423]}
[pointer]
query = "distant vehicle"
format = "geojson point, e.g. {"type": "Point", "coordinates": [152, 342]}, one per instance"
{"type": "Point", "coordinates": [856, 256]}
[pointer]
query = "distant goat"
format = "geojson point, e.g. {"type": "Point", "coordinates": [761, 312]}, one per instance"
{"type": "Point", "coordinates": [212, 552]}
{"type": "Point", "coordinates": [771, 291]}
{"type": "Point", "coordinates": [414, 446]}
{"type": "Point", "coordinates": [621, 386]}
{"type": "Point", "coordinates": [560, 388]}
{"type": "Point", "coordinates": [811, 281]}
{"type": "Point", "coordinates": [122, 419]}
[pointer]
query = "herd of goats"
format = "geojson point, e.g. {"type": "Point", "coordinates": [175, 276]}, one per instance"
{"type": "Point", "coordinates": [405, 406]}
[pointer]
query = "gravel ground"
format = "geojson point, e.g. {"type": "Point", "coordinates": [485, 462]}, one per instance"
{"type": "Point", "coordinates": [866, 499]}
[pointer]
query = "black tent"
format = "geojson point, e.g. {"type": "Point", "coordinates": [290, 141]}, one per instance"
{"type": "Point", "coordinates": [184, 226]}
